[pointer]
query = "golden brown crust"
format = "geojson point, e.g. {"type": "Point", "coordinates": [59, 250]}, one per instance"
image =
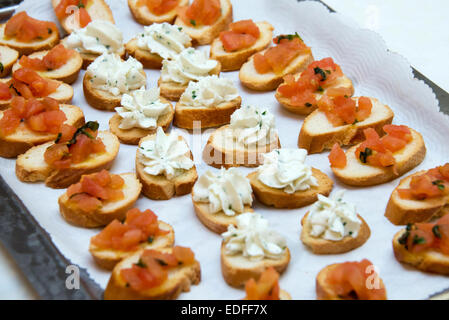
{"type": "Point", "coordinates": [143, 16]}
{"type": "Point", "coordinates": [8, 57]}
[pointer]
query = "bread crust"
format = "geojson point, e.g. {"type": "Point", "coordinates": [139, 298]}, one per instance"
{"type": "Point", "coordinates": [217, 157]}
{"type": "Point", "coordinates": [343, 135]}
{"type": "Point", "coordinates": [161, 188]}
{"type": "Point", "coordinates": [231, 61]}
{"type": "Point", "coordinates": [8, 57]}
{"type": "Point", "coordinates": [108, 258]}
{"type": "Point", "coordinates": [237, 270]}
{"type": "Point", "coordinates": [280, 199]}
{"type": "Point", "coordinates": [323, 246]}
{"type": "Point", "coordinates": [202, 35]}
{"type": "Point", "coordinates": [133, 135]}
{"type": "Point", "coordinates": [24, 139]}
{"type": "Point", "coordinates": [179, 281]}
{"type": "Point", "coordinates": [208, 117]}
{"type": "Point", "coordinates": [143, 16]}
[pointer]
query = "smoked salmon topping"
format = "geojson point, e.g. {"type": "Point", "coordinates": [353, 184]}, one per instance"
{"type": "Point", "coordinates": [343, 110]}
{"type": "Point", "coordinates": [318, 76]}
{"type": "Point", "coordinates": [158, 7]}
{"type": "Point", "coordinates": [350, 281]}
{"type": "Point", "coordinates": [277, 58]}
{"type": "Point", "coordinates": [200, 12]}
{"type": "Point", "coordinates": [28, 84]}
{"type": "Point", "coordinates": [153, 267]}
{"type": "Point", "coordinates": [66, 8]}
{"type": "Point", "coordinates": [93, 190]}
{"type": "Point", "coordinates": [74, 145]}
{"type": "Point", "coordinates": [421, 237]}
{"type": "Point", "coordinates": [138, 228]}
{"type": "Point", "coordinates": [54, 59]}
{"type": "Point", "coordinates": [377, 151]}
{"type": "Point", "coordinates": [432, 184]}
{"type": "Point", "coordinates": [43, 116]}
{"type": "Point", "coordinates": [337, 157]}
{"type": "Point", "coordinates": [26, 29]}
{"type": "Point", "coordinates": [5, 92]}
{"type": "Point", "coordinates": [241, 35]}
{"type": "Point", "coordinates": [266, 288]}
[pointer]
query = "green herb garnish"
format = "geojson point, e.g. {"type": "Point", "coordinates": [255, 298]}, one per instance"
{"type": "Point", "coordinates": [161, 262]}
{"type": "Point", "coordinates": [321, 72]}
{"type": "Point", "coordinates": [439, 184]}
{"type": "Point", "coordinates": [436, 231]}
{"type": "Point", "coordinates": [418, 240]}
{"type": "Point", "coordinates": [92, 125]}
{"type": "Point", "coordinates": [150, 239]}
{"type": "Point", "coordinates": [141, 264]}
{"type": "Point", "coordinates": [308, 104]}
{"type": "Point", "coordinates": [289, 37]}
{"type": "Point", "coordinates": [365, 154]}
{"type": "Point", "coordinates": [193, 22]}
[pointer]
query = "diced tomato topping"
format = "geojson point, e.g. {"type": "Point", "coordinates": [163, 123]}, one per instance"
{"type": "Point", "coordinates": [26, 29]}
{"type": "Point", "coordinates": [343, 110]}
{"type": "Point", "coordinates": [158, 7]}
{"type": "Point", "coordinates": [153, 266]}
{"type": "Point", "coordinates": [54, 59]}
{"type": "Point", "coordinates": [28, 84]}
{"type": "Point", "coordinates": [266, 288]}
{"type": "Point", "coordinates": [337, 157]}
{"type": "Point", "coordinates": [67, 7]}
{"type": "Point", "coordinates": [200, 12]}
{"type": "Point", "coordinates": [241, 35]}
{"type": "Point", "coordinates": [5, 92]}
{"type": "Point", "coordinates": [349, 281]}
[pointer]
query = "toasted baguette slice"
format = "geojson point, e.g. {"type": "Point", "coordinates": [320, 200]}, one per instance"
{"type": "Point", "coordinates": [100, 99]}
{"type": "Point", "coordinates": [216, 222]}
{"type": "Point", "coordinates": [216, 156]}
{"type": "Point", "coordinates": [108, 258]}
{"type": "Point", "coordinates": [133, 136]}
{"type": "Point", "coordinates": [173, 91]}
{"type": "Point", "coordinates": [23, 138]}
{"type": "Point", "coordinates": [358, 174]}
{"type": "Point", "coordinates": [343, 82]}
{"type": "Point", "coordinates": [68, 73]}
{"type": "Point", "coordinates": [179, 280]}
{"type": "Point", "coordinates": [208, 116]}
{"type": "Point", "coordinates": [323, 246]}
{"type": "Point", "coordinates": [251, 79]}
{"type": "Point", "coordinates": [28, 47]}
{"type": "Point", "coordinates": [403, 211]}
{"type": "Point", "coordinates": [428, 260]}
{"type": "Point", "coordinates": [206, 34]}
{"type": "Point", "coordinates": [161, 188]}
{"type": "Point", "coordinates": [280, 199]}
{"type": "Point", "coordinates": [231, 61]}
{"type": "Point", "coordinates": [31, 166]}
{"type": "Point", "coordinates": [238, 269]}
{"type": "Point", "coordinates": [318, 134]}
{"type": "Point", "coordinates": [8, 57]}
{"type": "Point", "coordinates": [108, 212]}
{"type": "Point", "coordinates": [63, 94]}
{"type": "Point", "coordinates": [97, 9]}
{"type": "Point", "coordinates": [144, 16]}
{"type": "Point", "coordinates": [326, 292]}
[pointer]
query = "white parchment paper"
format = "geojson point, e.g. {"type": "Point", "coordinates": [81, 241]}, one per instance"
{"type": "Point", "coordinates": [375, 72]}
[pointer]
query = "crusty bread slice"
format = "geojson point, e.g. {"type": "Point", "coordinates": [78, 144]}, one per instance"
{"type": "Point", "coordinates": [323, 246]}
{"type": "Point", "coordinates": [97, 9]}
{"type": "Point", "coordinates": [133, 136]}
{"type": "Point", "coordinates": [100, 99]}
{"type": "Point", "coordinates": [206, 34]}
{"type": "Point", "coordinates": [231, 61]}
{"type": "Point", "coordinates": [358, 174]}
{"type": "Point", "coordinates": [208, 116]}
{"type": "Point", "coordinates": [161, 188]}
{"type": "Point", "coordinates": [428, 260]}
{"type": "Point", "coordinates": [31, 166]}
{"type": "Point", "coordinates": [107, 212]}
{"type": "Point", "coordinates": [318, 134]}
{"type": "Point", "coordinates": [324, 291]}
{"type": "Point", "coordinates": [23, 138]}
{"type": "Point", "coordinates": [251, 79]}
{"type": "Point", "coordinates": [143, 16]}
{"type": "Point", "coordinates": [63, 94]}
{"type": "Point", "coordinates": [68, 73]}
{"type": "Point", "coordinates": [179, 280]}
{"type": "Point", "coordinates": [403, 211]}
{"type": "Point", "coordinates": [280, 199]}
{"type": "Point", "coordinates": [216, 156]}
{"type": "Point", "coordinates": [343, 82]}
{"type": "Point", "coordinates": [173, 91]}
{"type": "Point", "coordinates": [237, 269]}
{"type": "Point", "coordinates": [108, 258]}
{"type": "Point", "coordinates": [28, 47]}
{"type": "Point", "coordinates": [216, 222]}
{"type": "Point", "coordinates": [8, 57]}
